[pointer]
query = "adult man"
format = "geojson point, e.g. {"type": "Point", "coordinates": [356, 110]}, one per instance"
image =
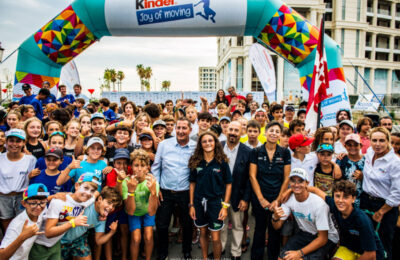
{"type": "Point", "coordinates": [36, 102]}
{"type": "Point", "coordinates": [386, 122]}
{"type": "Point", "coordinates": [233, 96]}
{"type": "Point", "coordinates": [239, 162]}
{"type": "Point", "coordinates": [26, 100]}
{"type": "Point", "coordinates": [289, 114]}
{"type": "Point", "coordinates": [317, 236]}
{"type": "Point", "coordinates": [51, 98]}
{"type": "Point", "coordinates": [343, 114]}
{"type": "Point", "coordinates": [171, 170]}
{"type": "Point", "coordinates": [65, 99]}
{"type": "Point", "coordinates": [78, 93]}
{"type": "Point", "coordinates": [249, 100]}
{"type": "Point", "coordinates": [253, 106]}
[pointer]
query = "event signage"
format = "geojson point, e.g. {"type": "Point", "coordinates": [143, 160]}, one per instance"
{"type": "Point", "coordinates": [368, 103]}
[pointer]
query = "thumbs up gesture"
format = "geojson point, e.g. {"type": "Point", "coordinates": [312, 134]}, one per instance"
{"type": "Point", "coordinates": [81, 220]}
{"type": "Point", "coordinates": [75, 164]}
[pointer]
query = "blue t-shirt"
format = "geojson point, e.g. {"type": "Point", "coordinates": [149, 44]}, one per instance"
{"type": "Point", "coordinates": [109, 115]}
{"type": "Point", "coordinates": [70, 98]}
{"type": "Point", "coordinates": [356, 231]}
{"type": "Point", "coordinates": [93, 222]}
{"type": "Point", "coordinates": [4, 128]}
{"type": "Point", "coordinates": [41, 164]}
{"type": "Point", "coordinates": [95, 168]}
{"type": "Point", "coordinates": [50, 183]}
{"type": "Point", "coordinates": [25, 100]}
{"type": "Point", "coordinates": [76, 113]}
{"type": "Point", "coordinates": [37, 105]}
{"type": "Point", "coordinates": [49, 99]}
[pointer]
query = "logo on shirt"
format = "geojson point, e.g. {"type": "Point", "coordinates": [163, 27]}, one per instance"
{"type": "Point", "coordinates": [23, 173]}
{"type": "Point", "coordinates": [302, 216]}
{"type": "Point", "coordinates": [354, 232]}
{"type": "Point", "coordinates": [217, 170]}
{"type": "Point", "coordinates": [198, 169]}
{"type": "Point", "coordinates": [69, 213]}
{"type": "Point", "coordinates": [382, 170]}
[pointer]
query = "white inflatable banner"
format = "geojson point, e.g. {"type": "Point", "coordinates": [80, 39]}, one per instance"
{"type": "Point", "coordinates": [176, 17]}
{"type": "Point", "coordinates": [70, 76]}
{"type": "Point", "coordinates": [264, 67]}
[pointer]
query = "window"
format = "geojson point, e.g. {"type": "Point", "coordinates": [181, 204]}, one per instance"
{"type": "Point", "coordinates": [357, 43]}
{"type": "Point", "coordinates": [342, 41]}
{"type": "Point", "coordinates": [380, 81]}
{"type": "Point", "coordinates": [343, 9]}
{"type": "Point", "coordinates": [358, 10]}
{"type": "Point", "coordinates": [367, 73]}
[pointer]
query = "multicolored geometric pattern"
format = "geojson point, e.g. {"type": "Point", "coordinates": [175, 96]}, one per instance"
{"type": "Point", "coordinates": [334, 74]}
{"type": "Point", "coordinates": [289, 34]}
{"type": "Point", "coordinates": [64, 37]}
{"type": "Point", "coordinates": [34, 79]}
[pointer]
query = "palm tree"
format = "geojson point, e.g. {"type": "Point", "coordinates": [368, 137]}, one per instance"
{"type": "Point", "coordinates": [107, 79]}
{"type": "Point", "coordinates": [146, 84]}
{"type": "Point", "coordinates": [165, 85]}
{"type": "Point", "coordinates": [120, 78]}
{"type": "Point", "coordinates": [113, 78]}
{"type": "Point", "coordinates": [148, 73]}
{"type": "Point", "coordinates": [141, 72]}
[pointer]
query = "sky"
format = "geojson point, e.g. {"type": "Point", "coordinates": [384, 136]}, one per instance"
{"type": "Point", "coordinates": [173, 59]}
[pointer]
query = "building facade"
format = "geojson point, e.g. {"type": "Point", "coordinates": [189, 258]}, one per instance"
{"type": "Point", "coordinates": [367, 31]}
{"type": "Point", "coordinates": [207, 79]}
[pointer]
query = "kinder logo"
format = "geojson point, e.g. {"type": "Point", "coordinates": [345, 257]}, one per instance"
{"type": "Point", "coordinates": [160, 11]}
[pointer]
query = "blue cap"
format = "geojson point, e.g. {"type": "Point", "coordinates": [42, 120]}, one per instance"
{"type": "Point", "coordinates": [325, 147]}
{"type": "Point", "coordinates": [97, 115]}
{"type": "Point", "coordinates": [33, 190]}
{"type": "Point", "coordinates": [141, 136]}
{"type": "Point", "coordinates": [225, 118]}
{"type": "Point", "coordinates": [121, 154]}
{"type": "Point", "coordinates": [89, 177]}
{"type": "Point", "coordinates": [17, 133]}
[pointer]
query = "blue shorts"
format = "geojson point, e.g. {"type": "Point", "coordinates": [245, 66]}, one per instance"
{"type": "Point", "coordinates": [79, 248]}
{"type": "Point", "coordinates": [120, 215]}
{"type": "Point", "coordinates": [207, 213]}
{"type": "Point", "coordinates": [136, 222]}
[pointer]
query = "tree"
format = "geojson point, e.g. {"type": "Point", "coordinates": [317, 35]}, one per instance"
{"type": "Point", "coordinates": [107, 79]}
{"type": "Point", "coordinates": [146, 84]}
{"type": "Point", "coordinates": [141, 72]}
{"type": "Point", "coordinates": [120, 78]}
{"type": "Point", "coordinates": [165, 85]}
{"type": "Point", "coordinates": [113, 77]}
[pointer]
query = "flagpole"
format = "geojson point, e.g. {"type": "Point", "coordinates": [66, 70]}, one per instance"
{"type": "Point", "coordinates": [322, 33]}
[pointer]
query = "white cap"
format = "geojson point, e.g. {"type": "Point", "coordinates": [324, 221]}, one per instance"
{"type": "Point", "coordinates": [301, 173]}
{"type": "Point", "coordinates": [95, 140]}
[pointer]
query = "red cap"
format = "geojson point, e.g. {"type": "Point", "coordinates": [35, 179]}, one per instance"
{"type": "Point", "coordinates": [298, 140]}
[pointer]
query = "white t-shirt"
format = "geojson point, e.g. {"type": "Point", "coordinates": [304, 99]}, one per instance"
{"type": "Point", "coordinates": [14, 230]}
{"type": "Point", "coordinates": [64, 211]}
{"type": "Point", "coordinates": [308, 164]}
{"type": "Point", "coordinates": [339, 148]}
{"type": "Point", "coordinates": [248, 116]}
{"type": "Point", "coordinates": [250, 146]}
{"type": "Point", "coordinates": [312, 215]}
{"type": "Point", "coordinates": [14, 175]}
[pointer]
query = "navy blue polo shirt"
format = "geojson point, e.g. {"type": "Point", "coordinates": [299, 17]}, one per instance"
{"type": "Point", "coordinates": [25, 100]}
{"type": "Point", "coordinates": [70, 98]}
{"type": "Point", "coordinates": [211, 179]}
{"type": "Point", "coordinates": [49, 99]}
{"type": "Point", "coordinates": [270, 174]}
{"type": "Point", "coordinates": [356, 231]}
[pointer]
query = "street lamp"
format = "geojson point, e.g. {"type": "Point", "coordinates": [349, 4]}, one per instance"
{"type": "Point", "coordinates": [1, 53]}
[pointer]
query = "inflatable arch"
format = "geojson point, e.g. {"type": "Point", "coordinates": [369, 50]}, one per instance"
{"type": "Point", "coordinates": [84, 22]}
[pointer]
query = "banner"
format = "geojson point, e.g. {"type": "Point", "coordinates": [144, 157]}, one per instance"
{"type": "Point", "coordinates": [368, 103]}
{"type": "Point", "coordinates": [70, 76]}
{"type": "Point", "coordinates": [181, 17]}
{"type": "Point", "coordinates": [264, 67]}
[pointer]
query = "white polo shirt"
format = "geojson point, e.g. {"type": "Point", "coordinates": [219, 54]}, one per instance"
{"type": "Point", "coordinates": [308, 164]}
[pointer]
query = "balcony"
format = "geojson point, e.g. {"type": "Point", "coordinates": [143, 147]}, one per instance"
{"type": "Point", "coordinates": [384, 14]}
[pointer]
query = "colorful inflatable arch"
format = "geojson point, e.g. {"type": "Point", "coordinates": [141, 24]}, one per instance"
{"type": "Point", "coordinates": [84, 22]}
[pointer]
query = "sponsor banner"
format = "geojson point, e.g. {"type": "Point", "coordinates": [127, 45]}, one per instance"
{"type": "Point", "coordinates": [70, 76]}
{"type": "Point", "coordinates": [368, 103]}
{"type": "Point", "coordinates": [264, 67]}
{"type": "Point", "coordinates": [337, 98]}
{"type": "Point", "coordinates": [181, 17]}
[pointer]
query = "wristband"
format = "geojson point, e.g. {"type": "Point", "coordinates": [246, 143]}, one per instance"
{"type": "Point", "coordinates": [116, 124]}
{"type": "Point", "coordinates": [225, 205]}
{"type": "Point", "coordinates": [72, 221]}
{"type": "Point", "coordinates": [302, 254]}
{"type": "Point", "coordinates": [81, 136]}
{"type": "Point", "coordinates": [118, 180]}
{"type": "Point", "coordinates": [190, 205]}
{"type": "Point", "coordinates": [275, 220]}
{"type": "Point", "coordinates": [131, 194]}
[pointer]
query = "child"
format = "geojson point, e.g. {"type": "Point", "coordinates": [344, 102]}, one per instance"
{"type": "Point", "coordinates": [301, 157]}
{"type": "Point", "coordinates": [48, 176]}
{"type": "Point", "coordinates": [323, 135]}
{"type": "Point", "coordinates": [2, 141]}
{"type": "Point", "coordinates": [221, 110]}
{"type": "Point", "coordinates": [34, 130]}
{"type": "Point", "coordinates": [43, 94]}
{"type": "Point", "coordinates": [140, 193]}
{"type": "Point", "coordinates": [284, 140]}
{"type": "Point", "coordinates": [147, 144]}
{"type": "Point", "coordinates": [13, 119]}
{"type": "Point", "coordinates": [51, 127]}
{"type": "Point", "coordinates": [107, 112]}
{"type": "Point", "coordinates": [160, 130]}
{"type": "Point", "coordinates": [253, 131]}
{"type": "Point", "coordinates": [396, 142]}
{"type": "Point", "coordinates": [79, 104]}
{"type": "Point", "coordinates": [326, 171]}
{"type": "Point", "coordinates": [72, 132]}
{"type": "Point", "coordinates": [24, 229]}
{"type": "Point", "coordinates": [94, 150]}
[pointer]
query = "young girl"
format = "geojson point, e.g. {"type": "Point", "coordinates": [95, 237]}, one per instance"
{"type": "Point", "coordinates": [346, 127]}
{"type": "Point", "coordinates": [147, 144]}
{"type": "Point", "coordinates": [84, 121]}
{"type": "Point", "coordinates": [364, 125]}
{"type": "Point", "coordinates": [72, 132]}
{"type": "Point", "coordinates": [326, 171]}
{"type": "Point", "coordinates": [50, 127]}
{"type": "Point", "coordinates": [284, 140]}
{"type": "Point", "coordinates": [2, 141]}
{"type": "Point", "coordinates": [130, 110]}
{"type": "Point", "coordinates": [221, 110]}
{"type": "Point", "coordinates": [140, 193]}
{"type": "Point", "coordinates": [34, 130]}
{"type": "Point", "coordinates": [210, 190]}
{"type": "Point", "coordinates": [13, 119]}
{"type": "Point", "coordinates": [396, 142]}
{"type": "Point", "coordinates": [27, 111]}
{"type": "Point", "coordinates": [141, 122]}
{"type": "Point", "coordinates": [323, 135]}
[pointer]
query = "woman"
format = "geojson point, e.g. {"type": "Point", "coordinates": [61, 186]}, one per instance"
{"type": "Point", "coordinates": [210, 190]}
{"type": "Point", "coordinates": [269, 177]}
{"type": "Point", "coordinates": [364, 125]}
{"type": "Point", "coordinates": [381, 186]}
{"type": "Point", "coordinates": [220, 98]}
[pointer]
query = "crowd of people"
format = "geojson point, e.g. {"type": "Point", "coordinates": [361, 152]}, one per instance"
{"type": "Point", "coordinates": [84, 179]}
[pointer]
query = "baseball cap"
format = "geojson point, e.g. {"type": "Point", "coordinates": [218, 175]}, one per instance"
{"type": "Point", "coordinates": [261, 110]}
{"type": "Point", "coordinates": [95, 140]}
{"type": "Point", "coordinates": [325, 147]}
{"type": "Point", "coordinates": [97, 115]}
{"type": "Point", "coordinates": [26, 86]}
{"type": "Point", "coordinates": [216, 129]}
{"type": "Point", "coordinates": [58, 153]}
{"type": "Point", "coordinates": [159, 122]}
{"type": "Point", "coordinates": [290, 108]}
{"type": "Point", "coordinates": [89, 177]}
{"type": "Point", "coordinates": [353, 137]}
{"type": "Point", "coordinates": [346, 122]}
{"type": "Point", "coordinates": [33, 191]}
{"type": "Point", "coordinates": [215, 116]}
{"type": "Point", "coordinates": [121, 154]}
{"type": "Point", "coordinates": [141, 136]}
{"type": "Point", "coordinates": [225, 118]}
{"type": "Point", "coordinates": [17, 133]}
{"type": "Point", "coordinates": [301, 173]}
{"type": "Point", "coordinates": [298, 140]}
{"type": "Point", "coordinates": [236, 112]}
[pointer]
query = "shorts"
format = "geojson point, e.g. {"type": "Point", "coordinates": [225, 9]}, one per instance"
{"type": "Point", "coordinates": [137, 222]}
{"type": "Point", "coordinates": [301, 239]}
{"type": "Point", "coordinates": [346, 254]}
{"type": "Point", "coordinates": [120, 215]}
{"type": "Point", "coordinates": [45, 253]}
{"type": "Point", "coordinates": [79, 248]}
{"type": "Point", "coordinates": [207, 212]}
{"type": "Point", "coordinates": [289, 227]}
{"type": "Point", "coordinates": [10, 206]}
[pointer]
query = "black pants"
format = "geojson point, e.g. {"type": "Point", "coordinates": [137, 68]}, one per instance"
{"type": "Point", "coordinates": [163, 219]}
{"type": "Point", "coordinates": [396, 244]}
{"type": "Point", "coordinates": [388, 223]}
{"type": "Point", "coordinates": [263, 220]}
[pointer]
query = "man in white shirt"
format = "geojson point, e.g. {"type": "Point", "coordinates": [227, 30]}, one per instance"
{"type": "Point", "coordinates": [317, 236]}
